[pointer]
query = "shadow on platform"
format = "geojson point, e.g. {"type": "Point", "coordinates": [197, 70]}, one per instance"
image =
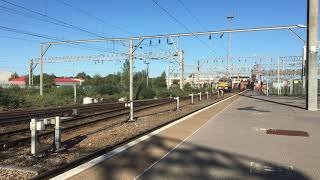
{"type": "Point", "coordinates": [190, 161]}
{"type": "Point", "coordinates": [251, 108]}
{"type": "Point", "coordinates": [273, 100]}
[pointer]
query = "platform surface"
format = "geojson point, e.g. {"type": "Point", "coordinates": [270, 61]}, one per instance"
{"type": "Point", "coordinates": [232, 144]}
{"type": "Point", "coordinates": [294, 101]}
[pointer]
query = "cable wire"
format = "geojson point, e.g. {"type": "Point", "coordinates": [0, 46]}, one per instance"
{"type": "Point", "coordinates": [44, 37]}
{"type": "Point", "coordinates": [54, 19]}
{"type": "Point", "coordinates": [93, 16]}
{"type": "Point", "coordinates": [180, 23]}
{"type": "Point", "coordinates": [196, 19]}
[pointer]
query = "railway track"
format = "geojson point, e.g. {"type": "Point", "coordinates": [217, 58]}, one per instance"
{"type": "Point", "coordinates": [110, 110]}
{"type": "Point", "coordinates": [11, 117]}
{"type": "Point", "coordinates": [24, 116]}
{"type": "Point", "coordinates": [54, 171]}
{"type": "Point", "coordinates": [15, 137]}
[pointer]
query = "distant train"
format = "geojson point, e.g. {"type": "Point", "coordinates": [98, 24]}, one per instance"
{"type": "Point", "coordinates": [225, 84]}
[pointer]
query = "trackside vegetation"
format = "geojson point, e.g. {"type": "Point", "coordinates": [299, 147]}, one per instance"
{"type": "Point", "coordinates": [109, 88]}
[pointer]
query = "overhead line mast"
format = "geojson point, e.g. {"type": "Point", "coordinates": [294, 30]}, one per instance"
{"type": "Point", "coordinates": [230, 18]}
{"type": "Point", "coordinates": [134, 46]}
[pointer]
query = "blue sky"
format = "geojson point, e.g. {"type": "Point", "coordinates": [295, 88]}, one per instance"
{"type": "Point", "coordinates": [143, 17]}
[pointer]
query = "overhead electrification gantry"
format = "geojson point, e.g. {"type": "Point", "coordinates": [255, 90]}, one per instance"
{"type": "Point", "coordinates": [135, 42]}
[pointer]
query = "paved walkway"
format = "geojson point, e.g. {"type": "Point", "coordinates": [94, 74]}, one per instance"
{"type": "Point", "coordinates": [299, 102]}
{"type": "Point", "coordinates": [230, 145]}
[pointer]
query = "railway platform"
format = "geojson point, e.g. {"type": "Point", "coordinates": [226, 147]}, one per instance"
{"type": "Point", "coordinates": [243, 137]}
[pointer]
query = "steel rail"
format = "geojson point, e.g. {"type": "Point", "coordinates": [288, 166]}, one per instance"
{"type": "Point", "coordinates": [25, 115]}
{"type": "Point", "coordinates": [114, 113]}
{"type": "Point", "coordinates": [76, 162]}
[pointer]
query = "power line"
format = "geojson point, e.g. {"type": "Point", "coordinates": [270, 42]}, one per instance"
{"type": "Point", "coordinates": [14, 11]}
{"type": "Point", "coordinates": [54, 19]}
{"type": "Point", "coordinates": [17, 38]}
{"type": "Point", "coordinates": [195, 18]}
{"type": "Point", "coordinates": [180, 23]}
{"type": "Point", "coordinates": [192, 15]}
{"type": "Point", "coordinates": [18, 31]}
{"type": "Point", "coordinates": [93, 16]}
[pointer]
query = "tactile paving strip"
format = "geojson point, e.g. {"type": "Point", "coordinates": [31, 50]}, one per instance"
{"type": "Point", "coordinates": [287, 132]}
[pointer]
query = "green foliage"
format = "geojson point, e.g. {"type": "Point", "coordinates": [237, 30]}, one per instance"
{"type": "Point", "coordinates": [110, 88]}
{"type": "Point", "coordinates": [83, 75]}
{"type": "Point", "coordinates": [10, 99]}
{"type": "Point", "coordinates": [159, 82]}
{"type": "Point", "coordinates": [13, 76]}
{"type": "Point", "coordinates": [48, 80]}
{"type": "Point", "coordinates": [144, 92]}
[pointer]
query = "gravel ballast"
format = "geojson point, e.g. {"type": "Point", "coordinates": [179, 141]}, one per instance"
{"type": "Point", "coordinates": [83, 141]}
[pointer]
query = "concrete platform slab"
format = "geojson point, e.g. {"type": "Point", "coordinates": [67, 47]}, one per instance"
{"type": "Point", "coordinates": [230, 145]}
{"type": "Point", "coordinates": [298, 102]}
{"type": "Point", "coordinates": [234, 145]}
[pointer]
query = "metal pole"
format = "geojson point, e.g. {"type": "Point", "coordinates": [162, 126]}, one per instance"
{"type": "Point", "coordinates": [191, 95]}
{"type": "Point", "coordinates": [198, 72]}
{"type": "Point", "coordinates": [30, 72]}
{"type": "Point", "coordinates": [147, 73]}
{"type": "Point", "coordinates": [131, 80]}
{"type": "Point", "coordinates": [230, 18]}
{"type": "Point", "coordinates": [181, 68]}
{"type": "Point", "coordinates": [34, 136]}
{"type": "Point", "coordinates": [168, 71]}
{"type": "Point", "coordinates": [303, 68]}
{"type": "Point", "coordinates": [312, 56]}
{"type": "Point", "coordinates": [179, 34]}
{"type": "Point", "coordinates": [41, 70]}
{"type": "Point", "coordinates": [75, 93]}
{"type": "Point", "coordinates": [177, 102]}
{"type": "Point", "coordinates": [283, 75]}
{"type": "Point", "coordinates": [278, 76]}
{"type": "Point", "coordinates": [57, 133]}
{"type": "Point", "coordinates": [267, 80]}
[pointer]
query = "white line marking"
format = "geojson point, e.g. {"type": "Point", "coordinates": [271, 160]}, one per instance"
{"type": "Point", "coordinates": [259, 129]}
{"type": "Point", "coordinates": [108, 155]}
{"type": "Point", "coordinates": [147, 169]}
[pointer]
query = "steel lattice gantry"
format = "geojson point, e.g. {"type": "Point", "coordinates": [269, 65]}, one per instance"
{"type": "Point", "coordinates": [135, 42]}
{"type": "Point", "coordinates": [171, 56]}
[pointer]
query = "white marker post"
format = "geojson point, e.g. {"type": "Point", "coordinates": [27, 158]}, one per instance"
{"type": "Point", "coordinates": [191, 95]}
{"type": "Point", "coordinates": [178, 103]}
{"type": "Point", "coordinates": [57, 133]}
{"type": "Point", "coordinates": [34, 136]}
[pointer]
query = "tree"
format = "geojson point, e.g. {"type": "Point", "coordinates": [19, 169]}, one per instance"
{"type": "Point", "coordinates": [160, 82]}
{"type": "Point", "coordinates": [125, 74]}
{"type": "Point", "coordinates": [13, 76]}
{"type": "Point", "coordinates": [83, 75]}
{"type": "Point", "coordinates": [48, 80]}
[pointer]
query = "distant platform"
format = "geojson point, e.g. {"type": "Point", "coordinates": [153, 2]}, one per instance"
{"type": "Point", "coordinates": [299, 102]}
{"type": "Point", "coordinates": [239, 138]}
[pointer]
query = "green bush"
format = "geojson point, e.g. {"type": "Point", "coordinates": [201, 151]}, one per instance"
{"type": "Point", "coordinates": [110, 88]}
{"type": "Point", "coordinates": [11, 100]}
